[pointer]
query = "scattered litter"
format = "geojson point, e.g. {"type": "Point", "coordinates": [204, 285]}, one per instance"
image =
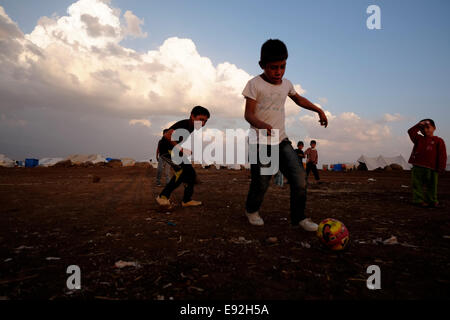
{"type": "Point", "coordinates": [391, 240]}
{"type": "Point", "coordinates": [109, 234]}
{"type": "Point", "coordinates": [272, 240]}
{"type": "Point", "coordinates": [8, 260]}
{"type": "Point", "coordinates": [305, 245]}
{"type": "Point", "coordinates": [371, 180]}
{"type": "Point", "coordinates": [446, 237]}
{"type": "Point", "coordinates": [52, 258]}
{"type": "Point", "coordinates": [171, 224]}
{"type": "Point", "coordinates": [283, 219]}
{"type": "Point", "coordinates": [183, 252]}
{"type": "Point", "coordinates": [23, 248]}
{"type": "Point", "coordinates": [122, 264]}
{"type": "Point", "coordinates": [167, 285]}
{"type": "Point", "coordinates": [168, 212]}
{"type": "Point", "coordinates": [240, 240]}
{"type": "Point", "coordinates": [159, 297]}
{"type": "Point", "coordinates": [403, 186]}
{"type": "Point", "coordinates": [196, 288]}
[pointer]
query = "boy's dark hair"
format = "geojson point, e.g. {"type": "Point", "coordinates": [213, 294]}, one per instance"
{"type": "Point", "coordinates": [313, 142]}
{"type": "Point", "coordinates": [431, 122]}
{"type": "Point", "coordinates": [273, 50]}
{"type": "Point", "coordinates": [300, 143]}
{"type": "Point", "coordinates": [165, 130]}
{"type": "Point", "coordinates": [199, 110]}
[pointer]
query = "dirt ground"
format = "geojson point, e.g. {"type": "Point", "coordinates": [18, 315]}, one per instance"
{"type": "Point", "coordinates": [51, 218]}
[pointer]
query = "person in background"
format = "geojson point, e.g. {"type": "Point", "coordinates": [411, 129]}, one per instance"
{"type": "Point", "coordinates": [163, 166]}
{"type": "Point", "coordinates": [312, 158]}
{"type": "Point", "coordinates": [279, 179]}
{"type": "Point", "coordinates": [429, 158]}
{"type": "Point", "coordinates": [300, 153]}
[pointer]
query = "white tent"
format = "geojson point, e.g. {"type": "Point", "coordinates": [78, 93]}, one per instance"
{"type": "Point", "coordinates": [234, 167]}
{"type": "Point", "coordinates": [381, 162]}
{"type": "Point", "coordinates": [82, 158]}
{"type": "Point", "coordinates": [47, 162]}
{"type": "Point", "coordinates": [6, 162]}
{"type": "Point", "coordinates": [127, 162]}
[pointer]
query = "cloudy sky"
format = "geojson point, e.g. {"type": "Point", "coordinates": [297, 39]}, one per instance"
{"type": "Point", "coordinates": [98, 76]}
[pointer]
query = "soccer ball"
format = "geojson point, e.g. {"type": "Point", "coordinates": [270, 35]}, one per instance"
{"type": "Point", "coordinates": [333, 234]}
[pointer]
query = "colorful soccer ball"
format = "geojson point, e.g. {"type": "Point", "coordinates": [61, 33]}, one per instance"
{"type": "Point", "coordinates": [333, 234]}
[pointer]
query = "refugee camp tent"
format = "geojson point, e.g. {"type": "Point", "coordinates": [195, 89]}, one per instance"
{"type": "Point", "coordinates": [127, 162]}
{"type": "Point", "coordinates": [234, 167]}
{"type": "Point", "coordinates": [82, 158]}
{"type": "Point", "coordinates": [381, 162]}
{"type": "Point", "coordinates": [48, 162]}
{"type": "Point", "coordinates": [6, 162]}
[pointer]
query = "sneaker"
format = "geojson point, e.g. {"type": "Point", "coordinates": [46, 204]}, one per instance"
{"type": "Point", "coordinates": [308, 225]}
{"type": "Point", "coordinates": [163, 201]}
{"type": "Point", "coordinates": [254, 219]}
{"type": "Point", "coordinates": [192, 203]}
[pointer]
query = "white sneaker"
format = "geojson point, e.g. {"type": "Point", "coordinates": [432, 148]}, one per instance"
{"type": "Point", "coordinates": [254, 219]}
{"type": "Point", "coordinates": [163, 201]}
{"type": "Point", "coordinates": [308, 225]}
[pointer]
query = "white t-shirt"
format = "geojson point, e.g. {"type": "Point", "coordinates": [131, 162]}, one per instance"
{"type": "Point", "coordinates": [270, 100]}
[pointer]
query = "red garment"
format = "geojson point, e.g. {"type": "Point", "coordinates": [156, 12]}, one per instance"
{"type": "Point", "coordinates": [312, 155]}
{"type": "Point", "coordinates": [428, 152]}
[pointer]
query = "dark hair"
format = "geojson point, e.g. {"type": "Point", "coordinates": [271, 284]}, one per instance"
{"type": "Point", "coordinates": [199, 110]}
{"type": "Point", "coordinates": [313, 142]}
{"type": "Point", "coordinates": [431, 122]}
{"type": "Point", "coordinates": [273, 50]}
{"type": "Point", "coordinates": [165, 130]}
{"type": "Point", "coordinates": [300, 143]}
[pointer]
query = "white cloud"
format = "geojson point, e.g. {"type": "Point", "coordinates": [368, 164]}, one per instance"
{"type": "Point", "coordinates": [323, 100]}
{"type": "Point", "coordinates": [134, 25]}
{"type": "Point", "coordinates": [393, 117]}
{"type": "Point", "coordinates": [77, 62]}
{"type": "Point", "coordinates": [143, 122]}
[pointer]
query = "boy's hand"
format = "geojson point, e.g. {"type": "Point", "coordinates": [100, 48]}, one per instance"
{"type": "Point", "coordinates": [323, 119]}
{"type": "Point", "coordinates": [267, 127]}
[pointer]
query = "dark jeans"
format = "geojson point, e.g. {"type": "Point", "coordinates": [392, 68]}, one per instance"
{"type": "Point", "coordinates": [184, 173]}
{"type": "Point", "coordinates": [312, 167]}
{"type": "Point", "coordinates": [295, 174]}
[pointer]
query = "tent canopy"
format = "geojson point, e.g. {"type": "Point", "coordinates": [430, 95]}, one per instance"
{"type": "Point", "coordinates": [82, 158]}
{"type": "Point", "coordinates": [47, 162]}
{"type": "Point", "coordinates": [6, 162]}
{"type": "Point", "coordinates": [381, 162]}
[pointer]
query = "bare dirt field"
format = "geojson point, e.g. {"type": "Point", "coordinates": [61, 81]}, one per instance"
{"type": "Point", "coordinates": [51, 218]}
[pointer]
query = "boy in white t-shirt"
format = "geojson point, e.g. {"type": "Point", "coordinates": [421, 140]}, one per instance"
{"type": "Point", "coordinates": [265, 98]}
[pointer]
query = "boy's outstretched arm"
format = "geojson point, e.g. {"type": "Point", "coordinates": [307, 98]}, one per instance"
{"type": "Point", "coordinates": [250, 107]}
{"type": "Point", "coordinates": [306, 104]}
{"type": "Point", "coordinates": [413, 132]}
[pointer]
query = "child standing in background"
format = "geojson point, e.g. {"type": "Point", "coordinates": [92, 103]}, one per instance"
{"type": "Point", "coordinates": [312, 159]}
{"type": "Point", "coordinates": [429, 158]}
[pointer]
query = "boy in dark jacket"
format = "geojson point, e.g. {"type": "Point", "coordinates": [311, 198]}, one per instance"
{"type": "Point", "coordinates": [429, 158]}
